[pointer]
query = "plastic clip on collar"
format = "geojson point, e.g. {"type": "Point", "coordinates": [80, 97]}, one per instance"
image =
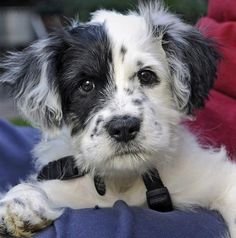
{"type": "Point", "coordinates": [158, 197]}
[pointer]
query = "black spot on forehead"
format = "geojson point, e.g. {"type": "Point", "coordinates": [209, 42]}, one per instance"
{"type": "Point", "coordinates": [123, 51]}
{"type": "Point", "coordinates": [137, 101]}
{"type": "Point", "coordinates": [140, 63]}
{"type": "Point", "coordinates": [86, 56]}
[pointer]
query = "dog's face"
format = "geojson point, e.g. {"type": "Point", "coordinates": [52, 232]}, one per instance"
{"type": "Point", "coordinates": [115, 93]}
{"type": "Point", "coordinates": [120, 83]}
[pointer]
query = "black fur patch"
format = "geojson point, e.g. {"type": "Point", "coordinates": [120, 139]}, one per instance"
{"type": "Point", "coordinates": [71, 56]}
{"type": "Point", "coordinates": [140, 64]}
{"type": "Point", "coordinates": [137, 102]}
{"type": "Point", "coordinates": [199, 54]}
{"type": "Point", "coordinates": [94, 132]}
{"type": "Point", "coordinates": [87, 57]}
{"type": "Point", "coordinates": [123, 52]}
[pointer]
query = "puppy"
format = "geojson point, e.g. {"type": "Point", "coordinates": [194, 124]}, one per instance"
{"type": "Point", "coordinates": [111, 94]}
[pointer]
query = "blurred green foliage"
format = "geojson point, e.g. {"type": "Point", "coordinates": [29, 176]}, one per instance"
{"type": "Point", "coordinates": [84, 8]}
{"type": "Point", "coordinates": [190, 10]}
{"type": "Point", "coordinates": [18, 121]}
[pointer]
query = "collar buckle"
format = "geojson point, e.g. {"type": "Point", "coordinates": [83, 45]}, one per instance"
{"type": "Point", "coordinates": [159, 199]}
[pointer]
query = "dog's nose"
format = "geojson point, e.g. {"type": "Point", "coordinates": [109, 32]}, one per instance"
{"type": "Point", "coordinates": [123, 128]}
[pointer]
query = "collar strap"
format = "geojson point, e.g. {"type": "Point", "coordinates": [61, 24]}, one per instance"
{"type": "Point", "coordinates": [158, 197]}
{"type": "Point", "coordinates": [65, 169]}
{"type": "Point", "coordinates": [62, 169]}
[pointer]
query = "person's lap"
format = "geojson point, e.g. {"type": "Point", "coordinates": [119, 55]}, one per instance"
{"type": "Point", "coordinates": [120, 221]}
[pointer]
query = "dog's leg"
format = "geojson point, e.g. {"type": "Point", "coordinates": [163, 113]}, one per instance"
{"type": "Point", "coordinates": [24, 210]}
{"type": "Point", "coordinates": [28, 208]}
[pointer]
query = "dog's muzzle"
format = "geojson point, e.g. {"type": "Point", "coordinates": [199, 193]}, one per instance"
{"type": "Point", "coordinates": [123, 128]}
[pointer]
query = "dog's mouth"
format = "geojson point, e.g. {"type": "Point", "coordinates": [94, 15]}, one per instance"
{"type": "Point", "coordinates": [125, 153]}
{"type": "Point", "coordinates": [129, 150]}
{"type": "Point", "coordinates": [135, 153]}
{"type": "Point", "coordinates": [126, 162]}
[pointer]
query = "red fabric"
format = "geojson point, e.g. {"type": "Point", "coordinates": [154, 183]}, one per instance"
{"type": "Point", "coordinates": [222, 10]}
{"type": "Point", "coordinates": [225, 34]}
{"type": "Point", "coordinates": [216, 124]}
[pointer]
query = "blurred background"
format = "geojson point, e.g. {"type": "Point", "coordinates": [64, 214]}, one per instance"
{"type": "Point", "coordinates": [22, 22]}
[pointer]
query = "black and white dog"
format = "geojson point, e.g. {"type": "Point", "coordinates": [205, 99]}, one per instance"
{"type": "Point", "coordinates": [112, 93]}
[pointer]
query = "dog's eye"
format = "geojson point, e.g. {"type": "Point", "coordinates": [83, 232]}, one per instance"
{"type": "Point", "coordinates": [87, 86]}
{"type": "Point", "coordinates": [147, 77]}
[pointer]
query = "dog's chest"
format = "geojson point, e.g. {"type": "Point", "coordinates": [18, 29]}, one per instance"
{"type": "Point", "coordinates": [81, 193]}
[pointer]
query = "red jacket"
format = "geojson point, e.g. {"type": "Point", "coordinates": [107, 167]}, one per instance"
{"type": "Point", "coordinates": [216, 124]}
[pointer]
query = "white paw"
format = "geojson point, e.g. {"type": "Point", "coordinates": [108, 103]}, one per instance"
{"type": "Point", "coordinates": [25, 210]}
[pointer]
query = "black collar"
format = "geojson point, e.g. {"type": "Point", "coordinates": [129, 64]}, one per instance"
{"type": "Point", "coordinates": [158, 197]}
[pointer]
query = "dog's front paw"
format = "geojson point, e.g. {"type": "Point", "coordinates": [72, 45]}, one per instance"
{"type": "Point", "coordinates": [24, 211]}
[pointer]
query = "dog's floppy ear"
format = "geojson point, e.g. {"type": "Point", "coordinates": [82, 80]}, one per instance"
{"type": "Point", "coordinates": [192, 57]}
{"type": "Point", "coordinates": [31, 77]}
{"type": "Point", "coordinates": [193, 63]}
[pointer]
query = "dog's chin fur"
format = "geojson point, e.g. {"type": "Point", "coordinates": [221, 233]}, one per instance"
{"type": "Point", "coordinates": [106, 57]}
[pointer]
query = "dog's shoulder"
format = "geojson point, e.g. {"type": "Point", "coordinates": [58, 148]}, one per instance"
{"type": "Point", "coordinates": [52, 148]}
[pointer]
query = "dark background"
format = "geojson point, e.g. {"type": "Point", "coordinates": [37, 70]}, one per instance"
{"type": "Point", "coordinates": [49, 14]}
{"type": "Point", "coordinates": [190, 9]}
